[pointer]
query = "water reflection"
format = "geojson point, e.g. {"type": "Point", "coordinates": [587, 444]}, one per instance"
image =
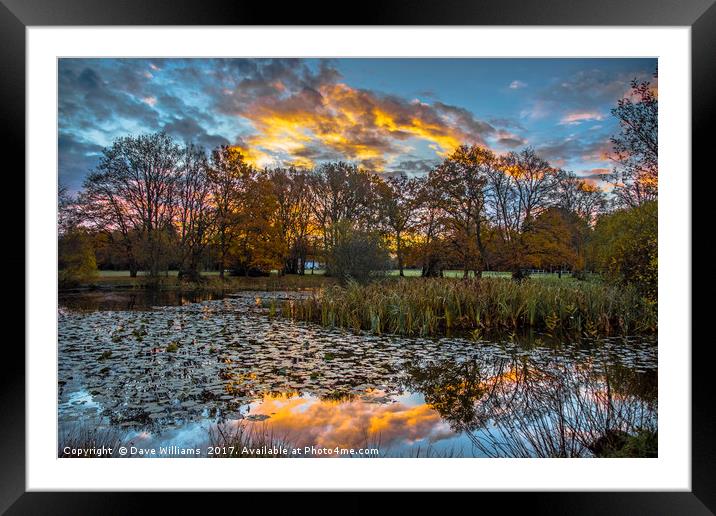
{"type": "Point", "coordinates": [133, 299]}
{"type": "Point", "coordinates": [171, 374]}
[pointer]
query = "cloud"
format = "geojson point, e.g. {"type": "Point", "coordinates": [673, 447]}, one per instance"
{"type": "Point", "coordinates": [581, 116]}
{"type": "Point", "coordinates": [415, 166]}
{"type": "Point", "coordinates": [599, 174]}
{"type": "Point", "coordinates": [306, 422]}
{"type": "Point", "coordinates": [586, 91]}
{"type": "Point", "coordinates": [188, 130]}
{"type": "Point", "coordinates": [571, 149]}
{"type": "Point", "coordinates": [87, 103]}
{"type": "Point", "coordinates": [509, 140]}
{"type": "Point", "coordinates": [75, 159]}
{"type": "Point", "coordinates": [358, 124]}
{"type": "Point", "coordinates": [303, 112]}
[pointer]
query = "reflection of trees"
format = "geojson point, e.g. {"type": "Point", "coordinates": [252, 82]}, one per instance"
{"type": "Point", "coordinates": [528, 408]}
{"type": "Point", "coordinates": [463, 393]}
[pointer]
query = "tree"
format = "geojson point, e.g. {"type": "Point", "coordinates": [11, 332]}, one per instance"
{"type": "Point", "coordinates": [636, 147]}
{"type": "Point", "coordinates": [400, 201]}
{"type": "Point", "coordinates": [459, 185]}
{"type": "Point", "coordinates": [429, 251]}
{"type": "Point", "coordinates": [227, 175]}
{"type": "Point", "coordinates": [76, 258]}
{"type": "Point", "coordinates": [293, 217]}
{"type": "Point", "coordinates": [132, 193]}
{"type": "Point", "coordinates": [357, 255]}
{"type": "Point", "coordinates": [624, 247]}
{"type": "Point", "coordinates": [195, 215]}
{"type": "Point", "coordinates": [555, 240]}
{"type": "Point", "coordinates": [519, 189]}
{"type": "Point", "coordinates": [256, 243]}
{"type": "Point", "coordinates": [579, 196]}
{"type": "Point", "coordinates": [533, 181]}
{"type": "Point", "coordinates": [343, 199]}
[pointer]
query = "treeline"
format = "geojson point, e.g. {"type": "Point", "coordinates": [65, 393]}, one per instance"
{"type": "Point", "coordinates": [153, 204]}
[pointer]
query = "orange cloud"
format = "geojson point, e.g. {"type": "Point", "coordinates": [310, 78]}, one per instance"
{"type": "Point", "coordinates": [306, 422]}
{"type": "Point", "coordinates": [336, 121]}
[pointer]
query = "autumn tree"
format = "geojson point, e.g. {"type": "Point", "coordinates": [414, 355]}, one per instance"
{"type": "Point", "coordinates": [399, 206]}
{"type": "Point", "coordinates": [459, 185]}
{"type": "Point", "coordinates": [624, 247]}
{"type": "Point", "coordinates": [75, 252]}
{"type": "Point", "coordinates": [344, 198]}
{"type": "Point", "coordinates": [555, 240]}
{"type": "Point", "coordinates": [228, 175]}
{"type": "Point", "coordinates": [257, 246]}
{"type": "Point", "coordinates": [293, 215]}
{"type": "Point", "coordinates": [636, 147]}
{"type": "Point", "coordinates": [76, 257]}
{"type": "Point", "coordinates": [519, 188]}
{"type": "Point", "coordinates": [579, 196]}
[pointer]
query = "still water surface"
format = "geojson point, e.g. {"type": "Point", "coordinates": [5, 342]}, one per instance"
{"type": "Point", "coordinates": [169, 369]}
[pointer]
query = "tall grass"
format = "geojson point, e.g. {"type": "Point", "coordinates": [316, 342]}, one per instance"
{"type": "Point", "coordinates": [433, 306]}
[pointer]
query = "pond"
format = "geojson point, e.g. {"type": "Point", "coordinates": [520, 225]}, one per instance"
{"type": "Point", "coordinates": [193, 376]}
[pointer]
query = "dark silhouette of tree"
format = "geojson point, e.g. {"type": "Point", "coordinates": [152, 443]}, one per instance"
{"type": "Point", "coordinates": [195, 215]}
{"type": "Point", "coordinates": [133, 190]}
{"type": "Point", "coordinates": [636, 147]}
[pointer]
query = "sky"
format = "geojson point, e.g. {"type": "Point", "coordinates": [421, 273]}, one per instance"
{"type": "Point", "coordinates": [387, 115]}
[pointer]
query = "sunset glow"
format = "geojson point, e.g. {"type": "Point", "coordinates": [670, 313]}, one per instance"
{"type": "Point", "coordinates": [386, 115]}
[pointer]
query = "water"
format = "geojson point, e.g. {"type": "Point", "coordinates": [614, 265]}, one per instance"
{"type": "Point", "coordinates": [183, 373]}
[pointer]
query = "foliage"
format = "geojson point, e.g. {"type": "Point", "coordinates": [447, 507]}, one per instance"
{"type": "Point", "coordinates": [76, 257]}
{"type": "Point", "coordinates": [555, 240]}
{"type": "Point", "coordinates": [357, 255]}
{"type": "Point", "coordinates": [475, 211]}
{"type": "Point", "coordinates": [615, 444]}
{"type": "Point", "coordinates": [624, 247]}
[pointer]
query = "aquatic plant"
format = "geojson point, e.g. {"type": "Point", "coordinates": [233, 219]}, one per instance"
{"type": "Point", "coordinates": [433, 306]}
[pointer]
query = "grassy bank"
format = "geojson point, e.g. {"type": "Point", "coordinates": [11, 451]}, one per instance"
{"type": "Point", "coordinates": [435, 306]}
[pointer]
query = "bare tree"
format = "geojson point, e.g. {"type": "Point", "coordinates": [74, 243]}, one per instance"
{"type": "Point", "coordinates": [341, 192]}
{"type": "Point", "coordinates": [579, 196]}
{"type": "Point", "coordinates": [133, 191]}
{"type": "Point", "coordinates": [636, 147]}
{"type": "Point", "coordinates": [195, 215]}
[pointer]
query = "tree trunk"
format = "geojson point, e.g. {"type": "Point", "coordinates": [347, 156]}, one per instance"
{"type": "Point", "coordinates": [222, 253]}
{"type": "Point", "coordinates": [399, 252]}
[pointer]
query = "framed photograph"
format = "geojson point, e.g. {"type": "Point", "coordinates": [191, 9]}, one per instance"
{"type": "Point", "coordinates": [434, 241]}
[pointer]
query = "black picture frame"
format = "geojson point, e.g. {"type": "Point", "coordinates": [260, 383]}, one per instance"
{"type": "Point", "coordinates": [16, 15]}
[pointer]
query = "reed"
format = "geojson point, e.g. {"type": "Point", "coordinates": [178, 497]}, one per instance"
{"type": "Point", "coordinates": [434, 306]}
